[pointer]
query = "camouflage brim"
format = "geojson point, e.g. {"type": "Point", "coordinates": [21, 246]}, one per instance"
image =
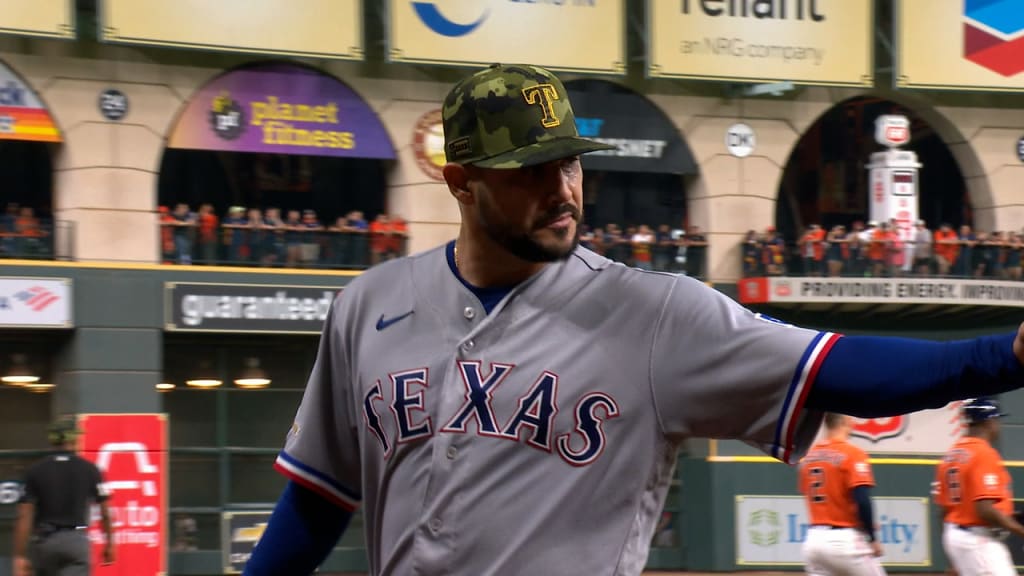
{"type": "Point", "coordinates": [510, 116]}
{"type": "Point", "coordinates": [541, 152]}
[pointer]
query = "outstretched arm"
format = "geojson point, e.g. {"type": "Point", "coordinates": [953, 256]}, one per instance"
{"type": "Point", "coordinates": [869, 376]}
{"type": "Point", "coordinates": [301, 533]}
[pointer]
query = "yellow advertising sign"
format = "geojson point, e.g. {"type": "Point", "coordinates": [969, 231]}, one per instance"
{"type": "Point", "coordinates": [581, 35]}
{"type": "Point", "coordinates": [320, 28]}
{"type": "Point", "coordinates": [50, 18]}
{"type": "Point", "coordinates": [958, 44]}
{"type": "Point", "coordinates": [825, 42]}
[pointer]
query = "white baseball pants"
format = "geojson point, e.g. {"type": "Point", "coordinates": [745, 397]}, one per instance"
{"type": "Point", "coordinates": [839, 552]}
{"type": "Point", "coordinates": [975, 552]}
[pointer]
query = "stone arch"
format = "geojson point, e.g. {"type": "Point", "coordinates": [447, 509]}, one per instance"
{"type": "Point", "coordinates": [927, 119]}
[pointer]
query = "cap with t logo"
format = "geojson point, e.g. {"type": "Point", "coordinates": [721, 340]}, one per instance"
{"type": "Point", "coordinates": [511, 116]}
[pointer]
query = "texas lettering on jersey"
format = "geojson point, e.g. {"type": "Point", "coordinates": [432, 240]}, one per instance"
{"type": "Point", "coordinates": [401, 398]}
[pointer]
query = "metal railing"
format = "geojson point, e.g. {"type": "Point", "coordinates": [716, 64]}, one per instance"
{"type": "Point", "coordinates": [883, 259]}
{"type": "Point", "coordinates": [42, 240]}
{"type": "Point", "coordinates": [290, 248]}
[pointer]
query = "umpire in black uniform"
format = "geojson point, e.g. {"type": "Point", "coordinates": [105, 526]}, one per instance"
{"type": "Point", "coordinates": [50, 537]}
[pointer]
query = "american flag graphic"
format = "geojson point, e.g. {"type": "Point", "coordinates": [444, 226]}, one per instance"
{"type": "Point", "coordinates": [36, 297]}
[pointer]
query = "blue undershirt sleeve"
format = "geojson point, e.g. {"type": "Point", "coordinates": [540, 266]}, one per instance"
{"type": "Point", "coordinates": [302, 531]}
{"type": "Point", "coordinates": [862, 496]}
{"type": "Point", "coordinates": [869, 376]}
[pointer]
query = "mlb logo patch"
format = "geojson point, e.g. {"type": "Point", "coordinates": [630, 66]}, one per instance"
{"type": "Point", "coordinates": [994, 35]}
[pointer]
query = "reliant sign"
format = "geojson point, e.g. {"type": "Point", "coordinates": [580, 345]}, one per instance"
{"type": "Point", "coordinates": [801, 41]}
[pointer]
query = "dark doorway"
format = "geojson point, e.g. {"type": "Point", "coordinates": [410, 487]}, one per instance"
{"type": "Point", "coordinates": [633, 198]}
{"type": "Point", "coordinates": [329, 186]}
{"type": "Point", "coordinates": [27, 175]}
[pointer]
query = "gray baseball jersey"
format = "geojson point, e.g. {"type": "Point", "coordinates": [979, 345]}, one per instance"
{"type": "Point", "coordinates": [539, 438]}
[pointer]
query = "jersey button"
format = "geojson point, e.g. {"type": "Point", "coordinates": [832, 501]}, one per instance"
{"type": "Point", "coordinates": [469, 345]}
{"type": "Point", "coordinates": [435, 525]}
{"type": "Point", "coordinates": [469, 313]}
{"type": "Point", "coordinates": [452, 451]}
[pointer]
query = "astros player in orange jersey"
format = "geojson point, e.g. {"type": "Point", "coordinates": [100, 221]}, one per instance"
{"type": "Point", "coordinates": [836, 480]}
{"type": "Point", "coordinates": [975, 493]}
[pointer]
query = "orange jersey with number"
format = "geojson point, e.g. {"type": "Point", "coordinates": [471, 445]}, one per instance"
{"type": "Point", "coordinates": [828, 475]}
{"type": "Point", "coordinates": [972, 470]}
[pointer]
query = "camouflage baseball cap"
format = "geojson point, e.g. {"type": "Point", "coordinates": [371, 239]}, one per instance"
{"type": "Point", "coordinates": [511, 116]}
{"type": "Point", "coordinates": [63, 429]}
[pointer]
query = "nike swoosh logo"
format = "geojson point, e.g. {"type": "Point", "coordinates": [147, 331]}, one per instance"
{"type": "Point", "coordinates": [384, 323]}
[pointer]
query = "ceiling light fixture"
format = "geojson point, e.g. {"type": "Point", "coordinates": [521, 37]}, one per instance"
{"type": "Point", "coordinates": [204, 382]}
{"type": "Point", "coordinates": [19, 373]}
{"type": "Point", "coordinates": [206, 377]}
{"type": "Point", "coordinates": [253, 376]}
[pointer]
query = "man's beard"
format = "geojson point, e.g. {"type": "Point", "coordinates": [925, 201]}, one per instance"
{"type": "Point", "coordinates": [520, 244]}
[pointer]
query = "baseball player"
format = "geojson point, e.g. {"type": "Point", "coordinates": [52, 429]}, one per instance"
{"type": "Point", "coordinates": [836, 480]}
{"type": "Point", "coordinates": [511, 403]}
{"type": "Point", "coordinates": [976, 495]}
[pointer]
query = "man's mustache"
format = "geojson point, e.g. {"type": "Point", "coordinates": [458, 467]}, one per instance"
{"type": "Point", "coordinates": [558, 213]}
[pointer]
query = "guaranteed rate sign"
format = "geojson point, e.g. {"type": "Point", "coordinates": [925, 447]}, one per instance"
{"type": "Point", "coordinates": [283, 109]}
{"type": "Point", "coordinates": [196, 307]}
{"type": "Point", "coordinates": [826, 42]}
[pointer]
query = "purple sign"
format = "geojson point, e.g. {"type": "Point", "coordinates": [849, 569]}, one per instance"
{"type": "Point", "coordinates": [281, 109]}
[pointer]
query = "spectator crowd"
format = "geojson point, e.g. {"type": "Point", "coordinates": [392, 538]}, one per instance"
{"type": "Point", "coordinates": [679, 250]}
{"type": "Point", "coordinates": [263, 237]}
{"type": "Point", "coordinates": [255, 237]}
{"type": "Point", "coordinates": [877, 249]}
{"type": "Point", "coordinates": [23, 235]}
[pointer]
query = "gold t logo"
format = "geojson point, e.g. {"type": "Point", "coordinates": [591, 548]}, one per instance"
{"type": "Point", "coordinates": [544, 95]}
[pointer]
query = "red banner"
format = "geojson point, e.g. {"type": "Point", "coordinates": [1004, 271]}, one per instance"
{"type": "Point", "coordinates": [131, 452]}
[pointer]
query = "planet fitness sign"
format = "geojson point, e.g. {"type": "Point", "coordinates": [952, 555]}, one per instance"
{"type": "Point", "coordinates": [282, 109]}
